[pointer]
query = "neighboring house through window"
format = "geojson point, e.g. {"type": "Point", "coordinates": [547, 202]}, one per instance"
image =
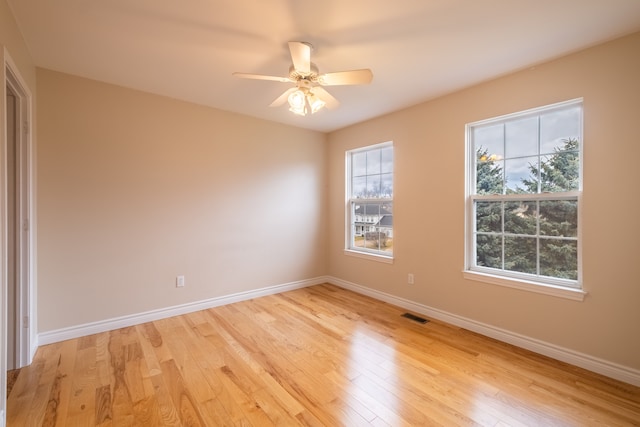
{"type": "Point", "coordinates": [370, 200]}
{"type": "Point", "coordinates": [523, 197]}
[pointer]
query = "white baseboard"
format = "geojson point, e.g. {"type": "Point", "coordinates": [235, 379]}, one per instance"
{"type": "Point", "coordinates": [604, 367]}
{"type": "Point", "coordinates": [594, 364]}
{"type": "Point", "coordinates": [63, 334]}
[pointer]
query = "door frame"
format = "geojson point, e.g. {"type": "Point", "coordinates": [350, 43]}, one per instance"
{"type": "Point", "coordinates": [26, 341]}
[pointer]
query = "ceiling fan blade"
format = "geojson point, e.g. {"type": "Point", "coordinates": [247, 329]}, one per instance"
{"type": "Point", "coordinates": [282, 98]}
{"type": "Point", "coordinates": [353, 77]}
{"type": "Point", "coordinates": [329, 100]}
{"type": "Point", "coordinates": [262, 77]}
{"type": "Point", "coordinates": [301, 56]}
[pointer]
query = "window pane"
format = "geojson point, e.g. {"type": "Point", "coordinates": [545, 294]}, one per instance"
{"type": "Point", "coordinates": [375, 226]}
{"type": "Point", "coordinates": [359, 164]}
{"type": "Point", "coordinates": [378, 240]}
{"type": "Point", "coordinates": [559, 218]}
{"type": "Point", "coordinates": [489, 139]}
{"type": "Point", "coordinates": [356, 230]}
{"type": "Point", "coordinates": [373, 162]}
{"type": "Point", "coordinates": [373, 186]}
{"type": "Point", "coordinates": [489, 217]}
{"type": "Point", "coordinates": [520, 175]}
{"type": "Point", "coordinates": [371, 240]}
{"type": "Point", "coordinates": [520, 254]}
{"type": "Point", "coordinates": [488, 251]}
{"type": "Point", "coordinates": [520, 218]}
{"type": "Point", "coordinates": [559, 258]}
{"type": "Point", "coordinates": [372, 209]}
{"type": "Point", "coordinates": [386, 185]}
{"type": "Point", "coordinates": [489, 176]}
{"type": "Point", "coordinates": [387, 160]}
{"type": "Point", "coordinates": [378, 209]}
{"type": "Point", "coordinates": [521, 137]}
{"type": "Point", "coordinates": [359, 187]}
{"type": "Point", "coordinates": [557, 126]}
{"type": "Point", "coordinates": [561, 171]}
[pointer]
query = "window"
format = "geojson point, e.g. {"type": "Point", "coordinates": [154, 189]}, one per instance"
{"type": "Point", "coordinates": [523, 196]}
{"type": "Point", "coordinates": [370, 200]}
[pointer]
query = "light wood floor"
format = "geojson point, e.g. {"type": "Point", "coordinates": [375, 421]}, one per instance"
{"type": "Point", "coordinates": [319, 356]}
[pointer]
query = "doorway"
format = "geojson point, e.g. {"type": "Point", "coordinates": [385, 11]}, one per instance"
{"type": "Point", "coordinates": [18, 199]}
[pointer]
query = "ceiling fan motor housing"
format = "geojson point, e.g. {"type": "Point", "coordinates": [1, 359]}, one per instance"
{"type": "Point", "coordinates": [311, 76]}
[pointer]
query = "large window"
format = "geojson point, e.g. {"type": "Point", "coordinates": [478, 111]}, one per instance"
{"type": "Point", "coordinates": [370, 200]}
{"type": "Point", "coordinates": [523, 196]}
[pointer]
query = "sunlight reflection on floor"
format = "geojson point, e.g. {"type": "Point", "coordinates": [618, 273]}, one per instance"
{"type": "Point", "coordinates": [372, 367]}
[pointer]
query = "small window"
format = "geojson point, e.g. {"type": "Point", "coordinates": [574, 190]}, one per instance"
{"type": "Point", "coordinates": [523, 195]}
{"type": "Point", "coordinates": [370, 200]}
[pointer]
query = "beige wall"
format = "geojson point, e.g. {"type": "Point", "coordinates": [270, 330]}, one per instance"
{"type": "Point", "coordinates": [429, 204]}
{"type": "Point", "coordinates": [135, 189]}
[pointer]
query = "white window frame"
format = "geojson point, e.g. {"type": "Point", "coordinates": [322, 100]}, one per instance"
{"type": "Point", "coordinates": [350, 248]}
{"type": "Point", "coordinates": [570, 289]}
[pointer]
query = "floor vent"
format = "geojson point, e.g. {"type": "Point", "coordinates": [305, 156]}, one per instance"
{"type": "Point", "coordinates": [415, 318]}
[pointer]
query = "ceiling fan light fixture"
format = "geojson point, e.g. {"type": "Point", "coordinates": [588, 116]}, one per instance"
{"type": "Point", "coordinates": [315, 103]}
{"type": "Point", "coordinates": [298, 102]}
{"type": "Point", "coordinates": [303, 101]}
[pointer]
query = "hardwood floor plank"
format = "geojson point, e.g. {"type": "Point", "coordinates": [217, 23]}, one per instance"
{"type": "Point", "coordinates": [390, 399]}
{"type": "Point", "coordinates": [104, 414]}
{"type": "Point", "coordinates": [168, 415]}
{"type": "Point", "coordinates": [317, 356]}
{"type": "Point", "coordinates": [360, 401]}
{"type": "Point", "coordinates": [61, 390]}
{"type": "Point", "coordinates": [122, 406]}
{"type": "Point", "coordinates": [23, 393]}
{"type": "Point", "coordinates": [182, 398]}
{"type": "Point", "coordinates": [42, 396]}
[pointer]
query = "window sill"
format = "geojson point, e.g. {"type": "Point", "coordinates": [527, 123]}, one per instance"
{"type": "Point", "coordinates": [540, 288]}
{"type": "Point", "coordinates": [372, 257]}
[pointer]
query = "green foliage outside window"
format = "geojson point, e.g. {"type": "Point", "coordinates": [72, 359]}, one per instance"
{"type": "Point", "coordinates": [536, 236]}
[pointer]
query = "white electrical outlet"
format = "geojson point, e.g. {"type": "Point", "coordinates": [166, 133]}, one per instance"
{"type": "Point", "coordinates": [410, 279]}
{"type": "Point", "coordinates": [179, 281]}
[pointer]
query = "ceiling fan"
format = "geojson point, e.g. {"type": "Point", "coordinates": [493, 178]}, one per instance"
{"type": "Point", "coordinates": [308, 95]}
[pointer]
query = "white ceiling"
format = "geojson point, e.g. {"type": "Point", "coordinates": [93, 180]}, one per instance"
{"type": "Point", "coordinates": [417, 49]}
